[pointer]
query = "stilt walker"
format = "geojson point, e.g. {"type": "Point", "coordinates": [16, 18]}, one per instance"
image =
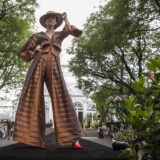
{"type": "Point", "coordinates": [45, 67]}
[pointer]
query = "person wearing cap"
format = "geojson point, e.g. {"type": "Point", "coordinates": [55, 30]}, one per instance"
{"type": "Point", "coordinates": [45, 67]}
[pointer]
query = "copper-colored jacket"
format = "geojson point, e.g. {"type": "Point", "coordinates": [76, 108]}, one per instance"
{"type": "Point", "coordinates": [29, 52]}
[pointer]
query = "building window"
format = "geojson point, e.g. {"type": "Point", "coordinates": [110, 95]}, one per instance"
{"type": "Point", "coordinates": [79, 110]}
{"type": "Point", "coordinates": [78, 106]}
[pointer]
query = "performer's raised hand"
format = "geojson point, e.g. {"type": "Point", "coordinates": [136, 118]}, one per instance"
{"type": "Point", "coordinates": [64, 15]}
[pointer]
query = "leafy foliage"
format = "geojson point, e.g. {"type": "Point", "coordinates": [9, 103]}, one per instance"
{"type": "Point", "coordinates": [144, 113]}
{"type": "Point", "coordinates": [118, 41]}
{"type": "Point", "coordinates": [16, 19]}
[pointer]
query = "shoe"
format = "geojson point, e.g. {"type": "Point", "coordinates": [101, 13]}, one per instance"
{"type": "Point", "coordinates": [41, 147]}
{"type": "Point", "coordinates": [76, 146]}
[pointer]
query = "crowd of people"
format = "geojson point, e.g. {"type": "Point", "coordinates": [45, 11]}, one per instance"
{"type": "Point", "coordinates": [6, 129]}
{"type": "Point", "coordinates": [105, 131]}
{"type": "Point", "coordinates": [117, 136]}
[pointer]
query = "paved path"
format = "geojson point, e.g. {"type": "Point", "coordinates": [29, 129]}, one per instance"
{"type": "Point", "coordinates": [6, 142]}
{"type": "Point", "coordinates": [103, 141]}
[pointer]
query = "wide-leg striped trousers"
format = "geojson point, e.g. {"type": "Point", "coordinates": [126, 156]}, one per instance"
{"type": "Point", "coordinates": [30, 117]}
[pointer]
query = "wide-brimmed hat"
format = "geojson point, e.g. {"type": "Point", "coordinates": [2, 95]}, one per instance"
{"type": "Point", "coordinates": [42, 19]}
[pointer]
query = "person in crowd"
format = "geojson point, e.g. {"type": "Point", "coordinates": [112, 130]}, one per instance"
{"type": "Point", "coordinates": [5, 128]}
{"type": "Point", "coordinates": [112, 133]}
{"type": "Point", "coordinates": [9, 128]}
{"type": "Point", "coordinates": [12, 129]}
{"type": "Point", "coordinates": [2, 131]}
{"type": "Point", "coordinates": [100, 132]}
{"type": "Point", "coordinates": [122, 127]}
{"type": "Point", "coordinates": [115, 129]}
{"type": "Point", "coordinates": [107, 132]}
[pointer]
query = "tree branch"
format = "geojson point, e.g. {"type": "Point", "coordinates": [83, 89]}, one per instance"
{"type": "Point", "coordinates": [125, 63]}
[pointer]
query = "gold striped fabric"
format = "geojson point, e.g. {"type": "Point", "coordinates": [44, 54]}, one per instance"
{"type": "Point", "coordinates": [30, 117]}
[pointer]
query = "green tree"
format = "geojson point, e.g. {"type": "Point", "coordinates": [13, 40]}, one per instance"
{"type": "Point", "coordinates": [16, 19]}
{"type": "Point", "coordinates": [117, 42]}
{"type": "Point", "coordinates": [109, 105]}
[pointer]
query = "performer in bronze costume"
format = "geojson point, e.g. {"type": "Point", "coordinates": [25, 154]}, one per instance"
{"type": "Point", "coordinates": [45, 67]}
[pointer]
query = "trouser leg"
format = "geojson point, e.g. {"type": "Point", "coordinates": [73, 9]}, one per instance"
{"type": "Point", "coordinates": [30, 117]}
{"type": "Point", "coordinates": [39, 99]}
{"type": "Point", "coordinates": [67, 125]}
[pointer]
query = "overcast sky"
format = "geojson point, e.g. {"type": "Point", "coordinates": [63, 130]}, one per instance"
{"type": "Point", "coordinates": [77, 12]}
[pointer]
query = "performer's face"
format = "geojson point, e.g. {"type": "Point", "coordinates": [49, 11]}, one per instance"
{"type": "Point", "coordinates": [50, 21]}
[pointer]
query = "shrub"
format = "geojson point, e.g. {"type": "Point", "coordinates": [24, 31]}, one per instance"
{"type": "Point", "coordinates": [144, 114]}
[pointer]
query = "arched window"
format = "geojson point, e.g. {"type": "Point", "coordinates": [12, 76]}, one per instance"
{"type": "Point", "coordinates": [78, 106]}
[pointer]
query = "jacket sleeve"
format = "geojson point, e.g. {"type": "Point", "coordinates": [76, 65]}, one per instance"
{"type": "Point", "coordinates": [27, 51]}
{"type": "Point", "coordinates": [74, 31]}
